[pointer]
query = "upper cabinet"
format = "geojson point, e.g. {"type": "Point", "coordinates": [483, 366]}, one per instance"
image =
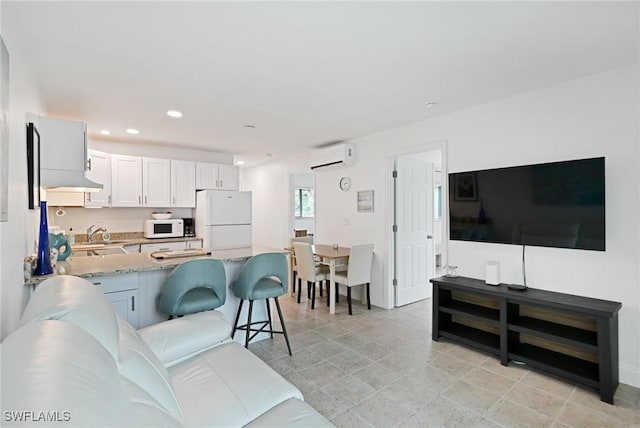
{"type": "Point", "coordinates": [216, 176]}
{"type": "Point", "coordinates": [100, 172]}
{"type": "Point", "coordinates": [152, 182]}
{"type": "Point", "coordinates": [183, 184]}
{"type": "Point", "coordinates": [126, 181]}
{"type": "Point", "coordinates": [156, 182]}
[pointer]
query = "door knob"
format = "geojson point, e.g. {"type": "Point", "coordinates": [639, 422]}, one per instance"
{"type": "Point", "coordinates": [429, 236]}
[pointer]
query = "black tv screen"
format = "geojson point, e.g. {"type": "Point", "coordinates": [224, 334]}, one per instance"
{"type": "Point", "coordinates": [558, 204]}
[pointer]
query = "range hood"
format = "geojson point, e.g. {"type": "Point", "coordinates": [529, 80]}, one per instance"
{"type": "Point", "coordinates": [61, 146]}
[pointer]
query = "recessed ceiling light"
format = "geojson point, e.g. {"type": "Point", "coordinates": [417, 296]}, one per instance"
{"type": "Point", "coordinates": [431, 104]}
{"type": "Point", "coordinates": [133, 131]}
{"type": "Point", "coordinates": [174, 113]}
{"type": "Point", "coordinates": [105, 132]}
{"type": "Point", "coordinates": [240, 163]}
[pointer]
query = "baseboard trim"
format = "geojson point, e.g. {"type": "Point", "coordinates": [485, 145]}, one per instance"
{"type": "Point", "coordinates": [630, 375]}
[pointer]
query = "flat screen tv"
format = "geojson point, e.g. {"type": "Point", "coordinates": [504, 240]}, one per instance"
{"type": "Point", "coordinates": [557, 204]}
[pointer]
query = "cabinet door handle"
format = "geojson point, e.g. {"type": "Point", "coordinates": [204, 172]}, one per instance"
{"type": "Point", "coordinates": [146, 200]}
{"type": "Point", "coordinates": [109, 199]}
{"type": "Point", "coordinates": [133, 303]}
{"type": "Point", "coordinates": [220, 183]}
{"type": "Point", "coordinates": [97, 283]}
{"type": "Point", "coordinates": [139, 200]}
{"type": "Point", "coordinates": [89, 164]}
{"type": "Point", "coordinates": [174, 200]}
{"type": "Point", "coordinates": [88, 196]}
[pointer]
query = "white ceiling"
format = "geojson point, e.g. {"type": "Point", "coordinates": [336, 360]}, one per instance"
{"type": "Point", "coordinates": [303, 74]}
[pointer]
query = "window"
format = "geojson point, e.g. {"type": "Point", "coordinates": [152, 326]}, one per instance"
{"type": "Point", "coordinates": [437, 203]}
{"type": "Point", "coordinates": [303, 202]}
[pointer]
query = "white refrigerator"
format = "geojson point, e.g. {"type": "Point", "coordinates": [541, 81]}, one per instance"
{"type": "Point", "coordinates": [223, 219]}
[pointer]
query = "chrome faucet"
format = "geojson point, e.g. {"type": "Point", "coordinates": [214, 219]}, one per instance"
{"type": "Point", "coordinates": [92, 230]}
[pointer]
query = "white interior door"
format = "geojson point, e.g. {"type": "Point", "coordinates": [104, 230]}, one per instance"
{"type": "Point", "coordinates": [415, 257]}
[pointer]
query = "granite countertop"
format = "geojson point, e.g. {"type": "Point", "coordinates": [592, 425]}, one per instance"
{"type": "Point", "coordinates": [114, 264]}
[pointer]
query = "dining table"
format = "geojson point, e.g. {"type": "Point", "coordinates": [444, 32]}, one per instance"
{"type": "Point", "coordinates": [328, 255]}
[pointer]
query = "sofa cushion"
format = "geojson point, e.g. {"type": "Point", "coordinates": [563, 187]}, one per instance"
{"type": "Point", "coordinates": [292, 413]}
{"type": "Point", "coordinates": [181, 338]}
{"type": "Point", "coordinates": [76, 301]}
{"type": "Point", "coordinates": [142, 367]}
{"type": "Point", "coordinates": [54, 366]}
{"type": "Point", "coordinates": [145, 411]}
{"type": "Point", "coordinates": [227, 386]}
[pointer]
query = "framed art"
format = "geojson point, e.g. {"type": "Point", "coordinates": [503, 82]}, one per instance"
{"type": "Point", "coordinates": [465, 187]}
{"type": "Point", "coordinates": [33, 165]}
{"type": "Point", "coordinates": [4, 132]}
{"type": "Point", "coordinates": [365, 201]}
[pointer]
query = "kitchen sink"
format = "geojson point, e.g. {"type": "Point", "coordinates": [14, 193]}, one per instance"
{"type": "Point", "coordinates": [94, 250]}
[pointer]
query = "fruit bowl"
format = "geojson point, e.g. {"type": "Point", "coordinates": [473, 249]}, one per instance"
{"type": "Point", "coordinates": [161, 216]}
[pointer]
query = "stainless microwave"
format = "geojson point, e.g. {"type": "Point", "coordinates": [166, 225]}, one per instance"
{"type": "Point", "coordinates": [170, 228]}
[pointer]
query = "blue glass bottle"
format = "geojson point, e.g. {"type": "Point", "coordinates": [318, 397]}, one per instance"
{"type": "Point", "coordinates": [43, 265]}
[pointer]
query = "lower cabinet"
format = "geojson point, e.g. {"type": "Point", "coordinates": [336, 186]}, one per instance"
{"type": "Point", "coordinates": [124, 303]}
{"type": "Point", "coordinates": [163, 246]}
{"type": "Point", "coordinates": [122, 292]}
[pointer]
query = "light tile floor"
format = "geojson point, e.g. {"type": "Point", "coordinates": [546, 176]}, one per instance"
{"type": "Point", "coordinates": [380, 368]}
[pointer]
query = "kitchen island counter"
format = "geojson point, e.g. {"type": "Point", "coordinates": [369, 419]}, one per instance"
{"type": "Point", "coordinates": [112, 264]}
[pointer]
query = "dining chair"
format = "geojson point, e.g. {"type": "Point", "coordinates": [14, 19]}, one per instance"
{"type": "Point", "coordinates": [358, 271]}
{"type": "Point", "coordinates": [193, 286]}
{"type": "Point", "coordinates": [263, 276]}
{"type": "Point", "coordinates": [294, 267]}
{"type": "Point", "coordinates": [308, 270]}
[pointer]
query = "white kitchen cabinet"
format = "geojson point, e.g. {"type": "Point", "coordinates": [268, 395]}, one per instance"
{"type": "Point", "coordinates": [156, 182]}
{"type": "Point", "coordinates": [100, 172]}
{"type": "Point", "coordinates": [124, 303]}
{"type": "Point", "coordinates": [183, 184]}
{"type": "Point", "coordinates": [163, 246]}
{"type": "Point", "coordinates": [135, 248]}
{"type": "Point", "coordinates": [122, 292]}
{"type": "Point", "coordinates": [126, 181]}
{"type": "Point", "coordinates": [194, 244]}
{"type": "Point", "coordinates": [213, 176]}
{"type": "Point", "coordinates": [228, 177]}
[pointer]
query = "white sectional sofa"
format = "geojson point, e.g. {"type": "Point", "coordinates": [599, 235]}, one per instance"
{"type": "Point", "coordinates": [72, 362]}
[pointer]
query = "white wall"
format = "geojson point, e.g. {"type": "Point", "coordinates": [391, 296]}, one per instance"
{"type": "Point", "coordinates": [588, 117]}
{"type": "Point", "coordinates": [159, 151]}
{"type": "Point", "coordinates": [17, 235]}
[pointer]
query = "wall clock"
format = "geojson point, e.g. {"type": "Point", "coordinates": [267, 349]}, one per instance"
{"type": "Point", "coordinates": [345, 183]}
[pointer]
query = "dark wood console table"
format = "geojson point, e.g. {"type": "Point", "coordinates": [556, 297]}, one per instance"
{"type": "Point", "coordinates": [569, 336]}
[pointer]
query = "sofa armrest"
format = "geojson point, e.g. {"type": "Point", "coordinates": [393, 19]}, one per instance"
{"type": "Point", "coordinates": [178, 339]}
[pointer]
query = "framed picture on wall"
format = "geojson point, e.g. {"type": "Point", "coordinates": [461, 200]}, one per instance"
{"type": "Point", "coordinates": [33, 165]}
{"type": "Point", "coordinates": [365, 201]}
{"type": "Point", "coordinates": [465, 187]}
{"type": "Point", "coordinates": [4, 132]}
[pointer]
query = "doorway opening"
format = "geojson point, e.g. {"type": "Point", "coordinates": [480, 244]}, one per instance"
{"type": "Point", "coordinates": [418, 224]}
{"type": "Point", "coordinates": [302, 207]}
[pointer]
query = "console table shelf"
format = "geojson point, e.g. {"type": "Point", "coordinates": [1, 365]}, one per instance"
{"type": "Point", "coordinates": [569, 336]}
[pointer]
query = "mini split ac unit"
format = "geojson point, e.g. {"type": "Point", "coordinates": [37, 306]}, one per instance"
{"type": "Point", "coordinates": [338, 154]}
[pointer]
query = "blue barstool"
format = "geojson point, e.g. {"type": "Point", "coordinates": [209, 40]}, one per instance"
{"type": "Point", "coordinates": [264, 276]}
{"type": "Point", "coordinates": [193, 286]}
